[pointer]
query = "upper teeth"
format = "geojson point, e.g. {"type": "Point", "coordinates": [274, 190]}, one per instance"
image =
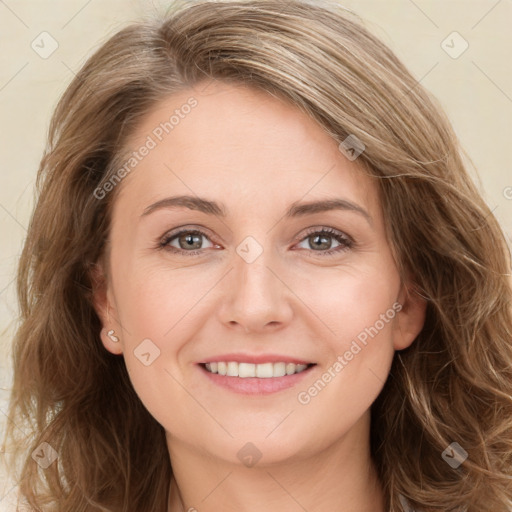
{"type": "Point", "coordinates": [265, 370]}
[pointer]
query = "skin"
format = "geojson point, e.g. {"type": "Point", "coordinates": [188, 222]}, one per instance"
{"type": "Point", "coordinates": [257, 155]}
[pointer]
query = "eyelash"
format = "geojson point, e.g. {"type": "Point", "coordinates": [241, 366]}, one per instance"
{"type": "Point", "coordinates": [345, 241]}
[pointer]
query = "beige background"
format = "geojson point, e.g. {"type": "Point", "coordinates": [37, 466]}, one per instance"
{"type": "Point", "coordinates": [475, 89]}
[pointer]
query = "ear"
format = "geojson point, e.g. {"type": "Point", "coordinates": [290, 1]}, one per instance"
{"type": "Point", "coordinates": [105, 309]}
{"type": "Point", "coordinates": [411, 318]}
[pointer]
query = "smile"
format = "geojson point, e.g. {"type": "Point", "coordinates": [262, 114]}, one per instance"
{"type": "Point", "coordinates": [255, 379]}
{"type": "Point", "coordinates": [261, 371]}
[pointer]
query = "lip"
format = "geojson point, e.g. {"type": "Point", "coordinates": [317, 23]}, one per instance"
{"type": "Point", "coordinates": [255, 385]}
{"type": "Point", "coordinates": [254, 359]}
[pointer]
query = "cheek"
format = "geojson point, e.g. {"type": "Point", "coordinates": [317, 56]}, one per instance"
{"type": "Point", "coordinates": [347, 300]}
{"type": "Point", "coordinates": [354, 369]}
{"type": "Point", "coordinates": [156, 301]}
{"type": "Point", "coordinates": [160, 309]}
{"type": "Point", "coordinates": [355, 318]}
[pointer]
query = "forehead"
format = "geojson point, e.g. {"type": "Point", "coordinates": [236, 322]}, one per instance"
{"type": "Point", "coordinates": [228, 141]}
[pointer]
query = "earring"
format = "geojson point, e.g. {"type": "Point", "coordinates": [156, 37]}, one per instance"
{"type": "Point", "coordinates": [111, 333]}
{"type": "Point", "coordinates": [112, 336]}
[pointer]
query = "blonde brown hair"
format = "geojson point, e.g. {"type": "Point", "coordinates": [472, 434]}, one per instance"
{"type": "Point", "coordinates": [453, 384]}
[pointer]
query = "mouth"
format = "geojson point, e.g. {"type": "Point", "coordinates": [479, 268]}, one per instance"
{"type": "Point", "coordinates": [255, 379]}
{"type": "Point", "coordinates": [250, 370]}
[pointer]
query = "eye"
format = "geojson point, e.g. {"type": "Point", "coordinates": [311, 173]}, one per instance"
{"type": "Point", "coordinates": [322, 239]}
{"type": "Point", "coordinates": [187, 241]}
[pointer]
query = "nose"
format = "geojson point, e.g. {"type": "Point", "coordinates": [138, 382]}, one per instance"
{"type": "Point", "coordinates": [255, 295]}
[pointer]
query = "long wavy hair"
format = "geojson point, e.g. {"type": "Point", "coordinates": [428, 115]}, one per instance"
{"type": "Point", "coordinates": [453, 384]}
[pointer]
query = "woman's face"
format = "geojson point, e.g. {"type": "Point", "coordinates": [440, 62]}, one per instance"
{"type": "Point", "coordinates": [264, 271]}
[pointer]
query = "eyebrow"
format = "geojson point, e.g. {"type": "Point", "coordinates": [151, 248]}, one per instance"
{"type": "Point", "coordinates": [297, 209]}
